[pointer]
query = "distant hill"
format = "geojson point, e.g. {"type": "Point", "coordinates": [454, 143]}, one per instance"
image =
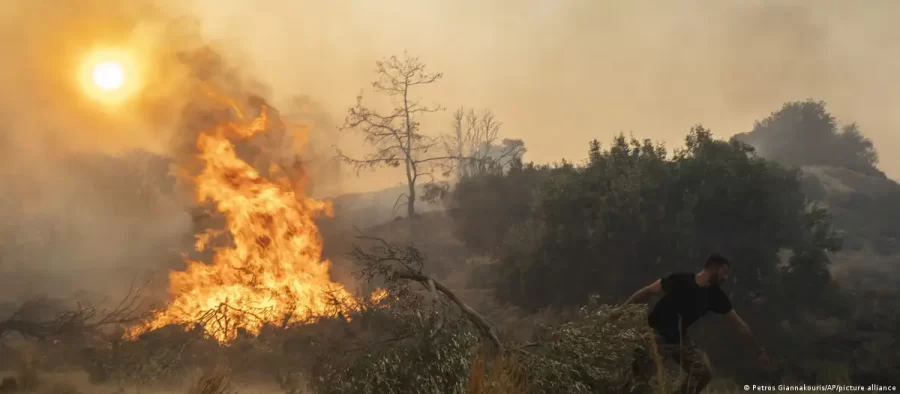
{"type": "Point", "coordinates": [866, 207]}
{"type": "Point", "coordinates": [365, 210]}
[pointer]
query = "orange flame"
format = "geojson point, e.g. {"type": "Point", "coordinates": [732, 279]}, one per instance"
{"type": "Point", "coordinates": [273, 273]}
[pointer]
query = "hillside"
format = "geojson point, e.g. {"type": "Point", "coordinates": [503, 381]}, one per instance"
{"type": "Point", "coordinates": [865, 207]}
{"type": "Point", "coordinates": [364, 210]}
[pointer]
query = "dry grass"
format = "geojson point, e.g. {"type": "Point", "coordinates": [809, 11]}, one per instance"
{"type": "Point", "coordinates": [214, 382]}
{"type": "Point", "coordinates": [28, 380]}
{"type": "Point", "coordinates": [26, 374]}
{"type": "Point", "coordinates": [503, 376]}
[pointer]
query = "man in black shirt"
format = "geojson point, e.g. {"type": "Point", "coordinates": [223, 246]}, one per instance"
{"type": "Point", "coordinates": [687, 298]}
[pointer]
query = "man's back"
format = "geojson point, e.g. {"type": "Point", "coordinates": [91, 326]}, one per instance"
{"type": "Point", "coordinates": [685, 301]}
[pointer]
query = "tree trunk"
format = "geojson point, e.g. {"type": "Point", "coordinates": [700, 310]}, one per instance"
{"type": "Point", "coordinates": [411, 202]}
{"type": "Point", "coordinates": [411, 210]}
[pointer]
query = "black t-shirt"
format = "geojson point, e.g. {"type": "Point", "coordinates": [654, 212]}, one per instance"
{"type": "Point", "coordinates": [684, 297]}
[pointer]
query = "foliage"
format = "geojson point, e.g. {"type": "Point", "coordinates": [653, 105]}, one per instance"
{"type": "Point", "coordinates": [866, 208]}
{"type": "Point", "coordinates": [631, 214]}
{"type": "Point", "coordinates": [433, 349]}
{"type": "Point", "coordinates": [589, 354]}
{"type": "Point", "coordinates": [423, 342]}
{"type": "Point", "coordinates": [422, 363]}
{"type": "Point", "coordinates": [483, 206]}
{"type": "Point", "coordinates": [805, 133]}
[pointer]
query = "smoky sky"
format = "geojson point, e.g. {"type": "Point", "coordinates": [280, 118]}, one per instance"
{"type": "Point", "coordinates": [93, 189]}
{"type": "Point", "coordinates": [560, 73]}
{"type": "Point", "coordinates": [557, 74]}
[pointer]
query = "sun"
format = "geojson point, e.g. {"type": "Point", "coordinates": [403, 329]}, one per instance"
{"type": "Point", "coordinates": [109, 76]}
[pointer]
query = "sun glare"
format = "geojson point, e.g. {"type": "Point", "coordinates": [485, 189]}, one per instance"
{"type": "Point", "coordinates": [109, 76]}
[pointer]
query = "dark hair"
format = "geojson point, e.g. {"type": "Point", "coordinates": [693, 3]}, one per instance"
{"type": "Point", "coordinates": [716, 260]}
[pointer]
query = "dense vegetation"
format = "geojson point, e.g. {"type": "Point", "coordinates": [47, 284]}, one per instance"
{"type": "Point", "coordinates": [632, 213]}
{"type": "Point", "coordinates": [577, 238]}
{"type": "Point", "coordinates": [805, 135]}
{"type": "Point", "coordinates": [565, 234]}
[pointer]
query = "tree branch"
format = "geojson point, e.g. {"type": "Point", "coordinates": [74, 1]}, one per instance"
{"type": "Point", "coordinates": [27, 320]}
{"type": "Point", "coordinates": [480, 322]}
{"type": "Point", "coordinates": [395, 263]}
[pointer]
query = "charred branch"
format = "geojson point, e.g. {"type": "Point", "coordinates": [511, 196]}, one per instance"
{"type": "Point", "coordinates": [483, 325]}
{"type": "Point", "coordinates": [394, 264]}
{"type": "Point", "coordinates": [42, 318]}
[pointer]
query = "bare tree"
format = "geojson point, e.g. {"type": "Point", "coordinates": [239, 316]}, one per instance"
{"type": "Point", "coordinates": [475, 142]}
{"type": "Point", "coordinates": [476, 146]}
{"type": "Point", "coordinates": [396, 136]}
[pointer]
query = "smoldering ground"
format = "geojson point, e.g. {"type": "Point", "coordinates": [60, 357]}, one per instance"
{"type": "Point", "coordinates": [91, 191]}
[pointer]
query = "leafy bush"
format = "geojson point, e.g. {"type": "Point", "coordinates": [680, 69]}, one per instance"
{"type": "Point", "coordinates": [589, 354]}
{"type": "Point", "coordinates": [631, 215]}
{"type": "Point", "coordinates": [484, 205]}
{"type": "Point", "coordinates": [421, 364]}
{"type": "Point", "coordinates": [804, 133]}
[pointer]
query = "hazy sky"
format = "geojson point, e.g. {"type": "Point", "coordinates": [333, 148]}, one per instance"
{"type": "Point", "coordinates": [556, 73]}
{"type": "Point", "coordinates": [560, 73]}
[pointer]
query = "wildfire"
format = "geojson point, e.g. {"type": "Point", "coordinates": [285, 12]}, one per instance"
{"type": "Point", "coordinates": [273, 271]}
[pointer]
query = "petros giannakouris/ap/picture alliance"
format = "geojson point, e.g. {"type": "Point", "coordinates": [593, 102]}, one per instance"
{"type": "Point", "coordinates": [829, 388]}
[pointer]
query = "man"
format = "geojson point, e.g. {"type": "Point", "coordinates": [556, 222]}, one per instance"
{"type": "Point", "coordinates": [687, 298]}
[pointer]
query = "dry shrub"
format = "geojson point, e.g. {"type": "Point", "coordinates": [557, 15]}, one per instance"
{"type": "Point", "coordinates": [213, 382]}
{"type": "Point", "coordinates": [162, 356]}
{"type": "Point", "coordinates": [504, 375]}
{"type": "Point", "coordinates": [589, 354]}
{"type": "Point", "coordinates": [427, 364]}
{"type": "Point", "coordinates": [29, 380]}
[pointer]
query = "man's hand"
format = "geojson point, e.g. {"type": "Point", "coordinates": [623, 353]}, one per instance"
{"type": "Point", "coordinates": [640, 295]}
{"type": "Point", "coordinates": [745, 331]}
{"type": "Point", "coordinates": [615, 314]}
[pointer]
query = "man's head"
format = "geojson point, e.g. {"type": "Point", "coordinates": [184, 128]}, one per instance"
{"type": "Point", "coordinates": [718, 267]}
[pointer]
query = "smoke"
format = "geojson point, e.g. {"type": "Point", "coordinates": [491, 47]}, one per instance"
{"type": "Point", "coordinates": [92, 191]}
{"type": "Point", "coordinates": [561, 73]}
{"type": "Point", "coordinates": [557, 74]}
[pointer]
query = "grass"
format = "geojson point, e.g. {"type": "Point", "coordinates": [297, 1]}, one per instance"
{"type": "Point", "coordinates": [216, 381]}
{"type": "Point", "coordinates": [505, 376]}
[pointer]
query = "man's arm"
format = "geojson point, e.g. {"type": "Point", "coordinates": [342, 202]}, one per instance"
{"type": "Point", "coordinates": [744, 330]}
{"type": "Point", "coordinates": [644, 292]}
